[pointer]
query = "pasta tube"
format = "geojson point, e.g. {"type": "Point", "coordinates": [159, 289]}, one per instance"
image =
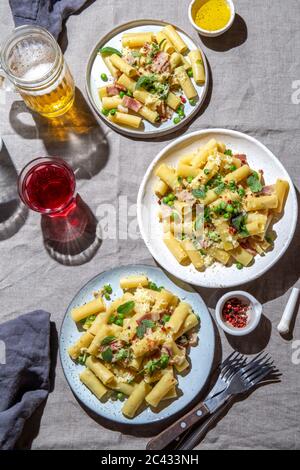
{"type": "Point", "coordinates": [167, 175]}
{"type": "Point", "coordinates": [132, 282]}
{"type": "Point", "coordinates": [102, 92]}
{"type": "Point", "coordinates": [126, 120]}
{"type": "Point", "coordinates": [175, 60]}
{"type": "Point", "coordinates": [201, 156]}
{"type": "Point", "coordinates": [95, 344]}
{"type": "Point", "coordinates": [175, 39]}
{"type": "Point", "coordinates": [83, 343]}
{"type": "Point", "coordinates": [197, 66]}
{"type": "Point", "coordinates": [175, 248]}
{"type": "Point", "coordinates": [136, 40]}
{"type": "Point", "coordinates": [96, 366]}
{"type": "Point", "coordinates": [127, 82]}
{"type": "Point", "coordinates": [186, 83]}
{"type": "Point", "coordinates": [122, 387]}
{"type": "Point", "coordinates": [173, 101]}
{"type": "Point", "coordinates": [160, 188]}
{"type": "Point", "coordinates": [262, 202]}
{"type": "Point", "coordinates": [161, 389]}
{"type": "Point", "coordinates": [136, 399]}
{"type": "Point", "coordinates": [178, 317]}
{"type": "Point", "coordinates": [93, 384]}
{"type": "Point", "coordinates": [282, 189]}
{"type": "Point", "coordinates": [90, 308]}
{"type": "Point", "coordinates": [187, 170]}
{"type": "Point", "coordinates": [193, 254]}
{"type": "Point", "coordinates": [146, 98]}
{"type": "Point", "coordinates": [100, 320]}
{"type": "Point", "coordinates": [150, 115]}
{"type": "Point", "coordinates": [121, 65]}
{"type": "Point", "coordinates": [113, 70]}
{"type": "Point", "coordinates": [238, 175]}
{"type": "Point", "coordinates": [165, 44]}
{"type": "Point", "coordinates": [111, 102]}
{"type": "Point", "coordinates": [242, 256]}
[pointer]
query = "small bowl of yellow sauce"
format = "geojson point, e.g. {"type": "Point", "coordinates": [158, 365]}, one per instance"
{"type": "Point", "coordinates": [211, 17]}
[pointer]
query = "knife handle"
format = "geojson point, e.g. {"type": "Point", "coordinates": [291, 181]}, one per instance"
{"type": "Point", "coordinates": [180, 426]}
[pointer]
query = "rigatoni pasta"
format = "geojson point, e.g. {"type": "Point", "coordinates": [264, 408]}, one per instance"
{"type": "Point", "coordinates": [153, 78]}
{"type": "Point", "coordinates": [217, 208]}
{"type": "Point", "coordinates": [134, 349]}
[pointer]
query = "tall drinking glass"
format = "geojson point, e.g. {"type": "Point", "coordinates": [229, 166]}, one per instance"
{"type": "Point", "coordinates": [34, 63]}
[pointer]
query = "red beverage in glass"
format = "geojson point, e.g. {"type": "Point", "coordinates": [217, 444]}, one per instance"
{"type": "Point", "coordinates": [47, 185]}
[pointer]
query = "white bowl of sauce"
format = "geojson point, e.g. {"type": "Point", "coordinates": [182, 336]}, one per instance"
{"type": "Point", "coordinates": [211, 17]}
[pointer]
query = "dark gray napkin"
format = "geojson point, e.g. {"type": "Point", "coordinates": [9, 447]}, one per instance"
{"type": "Point", "coordinates": [47, 13]}
{"type": "Point", "coordinates": [24, 372]}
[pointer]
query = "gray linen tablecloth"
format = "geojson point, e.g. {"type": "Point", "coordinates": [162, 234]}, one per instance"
{"type": "Point", "coordinates": [254, 69]}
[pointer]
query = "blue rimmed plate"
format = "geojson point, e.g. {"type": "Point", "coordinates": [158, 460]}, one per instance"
{"type": "Point", "coordinates": [201, 356]}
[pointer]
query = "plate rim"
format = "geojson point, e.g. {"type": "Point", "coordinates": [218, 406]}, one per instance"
{"type": "Point", "coordinates": [180, 140]}
{"type": "Point", "coordinates": [132, 422]}
{"type": "Point", "coordinates": [128, 132]}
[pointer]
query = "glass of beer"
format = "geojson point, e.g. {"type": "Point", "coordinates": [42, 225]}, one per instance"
{"type": "Point", "coordinates": [34, 63]}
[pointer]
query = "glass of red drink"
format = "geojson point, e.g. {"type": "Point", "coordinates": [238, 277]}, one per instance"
{"type": "Point", "coordinates": [47, 185]}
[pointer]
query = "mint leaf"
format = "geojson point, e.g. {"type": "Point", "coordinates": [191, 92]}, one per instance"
{"type": "Point", "coordinates": [109, 51]}
{"type": "Point", "coordinates": [254, 183]}
{"type": "Point", "coordinates": [199, 193]}
{"type": "Point", "coordinates": [126, 308]}
{"type": "Point", "coordinates": [143, 326]}
{"type": "Point", "coordinates": [228, 152]}
{"type": "Point", "coordinates": [239, 223]}
{"type": "Point", "coordinates": [220, 188]}
{"type": "Point", "coordinates": [107, 355]}
{"type": "Point", "coordinates": [107, 340]}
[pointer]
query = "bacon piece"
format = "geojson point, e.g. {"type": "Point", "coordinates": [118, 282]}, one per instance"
{"type": "Point", "coordinates": [267, 190]}
{"type": "Point", "coordinates": [132, 104]}
{"type": "Point", "coordinates": [161, 62]}
{"type": "Point", "coordinates": [112, 90]}
{"type": "Point", "coordinates": [241, 157]}
{"type": "Point", "coordinates": [246, 245]}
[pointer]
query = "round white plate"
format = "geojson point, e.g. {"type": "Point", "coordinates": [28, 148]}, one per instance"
{"type": "Point", "coordinates": [189, 384]}
{"type": "Point", "coordinates": [216, 276]}
{"type": "Point", "coordinates": [96, 67]}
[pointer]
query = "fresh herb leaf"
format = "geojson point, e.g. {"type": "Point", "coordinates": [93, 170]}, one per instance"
{"type": "Point", "coordinates": [107, 355]}
{"type": "Point", "coordinates": [82, 359]}
{"type": "Point", "coordinates": [145, 81]}
{"type": "Point", "coordinates": [207, 215]}
{"type": "Point", "coordinates": [213, 236]}
{"type": "Point", "coordinates": [199, 193]}
{"type": "Point", "coordinates": [165, 319]}
{"type": "Point", "coordinates": [87, 322]}
{"type": "Point", "coordinates": [254, 183]}
{"type": "Point", "coordinates": [142, 328]}
{"type": "Point", "coordinates": [154, 287]}
{"type": "Point", "coordinates": [122, 354]}
{"type": "Point", "coordinates": [126, 308]}
{"type": "Point", "coordinates": [239, 223]}
{"type": "Point", "coordinates": [109, 51]}
{"type": "Point", "coordinates": [107, 340]}
{"type": "Point", "coordinates": [163, 361]}
{"type": "Point", "coordinates": [228, 152]}
{"type": "Point", "coordinates": [220, 188]}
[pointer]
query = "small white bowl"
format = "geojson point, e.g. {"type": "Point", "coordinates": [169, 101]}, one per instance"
{"type": "Point", "coordinates": [255, 312]}
{"type": "Point", "coordinates": [193, 8]}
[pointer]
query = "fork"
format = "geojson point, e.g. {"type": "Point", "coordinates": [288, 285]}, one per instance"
{"type": "Point", "coordinates": [243, 381]}
{"type": "Point", "coordinates": [227, 369]}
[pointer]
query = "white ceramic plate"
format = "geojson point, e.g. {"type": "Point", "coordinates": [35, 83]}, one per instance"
{"type": "Point", "coordinates": [96, 67]}
{"type": "Point", "coordinates": [216, 276]}
{"type": "Point", "coordinates": [201, 356]}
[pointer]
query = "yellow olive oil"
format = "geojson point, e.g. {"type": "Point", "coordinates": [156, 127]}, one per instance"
{"type": "Point", "coordinates": [213, 15]}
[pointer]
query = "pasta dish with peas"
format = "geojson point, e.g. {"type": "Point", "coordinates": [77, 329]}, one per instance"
{"type": "Point", "coordinates": [154, 75]}
{"type": "Point", "coordinates": [238, 208]}
{"type": "Point", "coordinates": [133, 348]}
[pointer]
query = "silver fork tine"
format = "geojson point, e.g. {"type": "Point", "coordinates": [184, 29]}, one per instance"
{"type": "Point", "coordinates": [260, 376]}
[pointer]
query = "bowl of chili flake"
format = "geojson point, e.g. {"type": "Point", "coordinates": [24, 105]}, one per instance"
{"type": "Point", "coordinates": [238, 313]}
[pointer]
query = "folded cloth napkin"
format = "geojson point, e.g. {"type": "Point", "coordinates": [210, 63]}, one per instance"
{"type": "Point", "coordinates": [24, 372]}
{"type": "Point", "coordinates": [47, 13]}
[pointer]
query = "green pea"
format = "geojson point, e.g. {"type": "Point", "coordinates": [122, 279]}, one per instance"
{"type": "Point", "coordinates": [107, 296]}
{"type": "Point", "coordinates": [105, 112]}
{"type": "Point", "coordinates": [119, 322]}
{"type": "Point", "coordinates": [232, 168]}
{"type": "Point", "coordinates": [190, 73]}
{"type": "Point", "coordinates": [176, 120]}
{"type": "Point", "coordinates": [129, 93]}
{"type": "Point", "coordinates": [171, 197]}
{"type": "Point", "coordinates": [104, 77]}
{"type": "Point", "coordinates": [122, 94]}
{"type": "Point", "coordinates": [165, 200]}
{"type": "Point", "coordinates": [239, 266]}
{"type": "Point", "coordinates": [189, 179]}
{"type": "Point", "coordinates": [229, 208]}
{"type": "Point", "coordinates": [113, 111]}
{"type": "Point", "coordinates": [241, 192]}
{"type": "Point", "coordinates": [171, 203]}
{"type": "Point", "coordinates": [226, 216]}
{"type": "Point", "coordinates": [193, 101]}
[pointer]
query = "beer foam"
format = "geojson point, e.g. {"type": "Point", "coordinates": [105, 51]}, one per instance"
{"type": "Point", "coordinates": [36, 71]}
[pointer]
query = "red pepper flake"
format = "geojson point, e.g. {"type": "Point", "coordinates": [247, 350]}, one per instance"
{"type": "Point", "coordinates": [232, 230]}
{"type": "Point", "coordinates": [183, 100]}
{"type": "Point", "coordinates": [236, 313]}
